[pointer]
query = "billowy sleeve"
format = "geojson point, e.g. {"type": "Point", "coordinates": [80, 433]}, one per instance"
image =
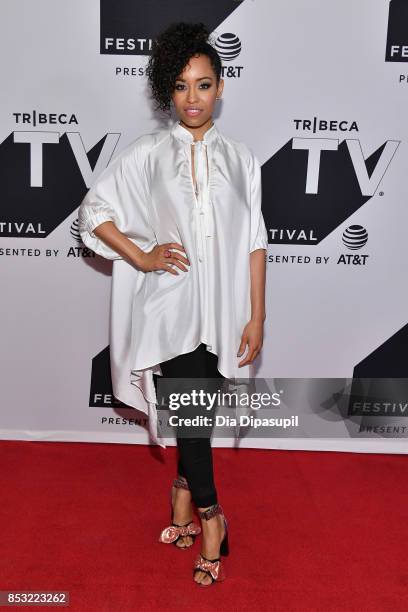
{"type": "Point", "coordinates": [119, 194]}
{"type": "Point", "coordinates": [259, 235]}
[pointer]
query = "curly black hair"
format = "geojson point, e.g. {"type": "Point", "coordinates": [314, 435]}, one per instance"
{"type": "Point", "coordinates": [171, 52]}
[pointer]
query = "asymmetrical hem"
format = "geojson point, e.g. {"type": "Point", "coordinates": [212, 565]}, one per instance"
{"type": "Point", "coordinates": [149, 193]}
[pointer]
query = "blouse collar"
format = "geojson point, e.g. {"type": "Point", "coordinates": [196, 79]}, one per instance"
{"type": "Point", "coordinates": [179, 131]}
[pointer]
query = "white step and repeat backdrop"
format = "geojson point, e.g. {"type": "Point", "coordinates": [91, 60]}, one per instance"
{"type": "Point", "coordinates": [319, 91]}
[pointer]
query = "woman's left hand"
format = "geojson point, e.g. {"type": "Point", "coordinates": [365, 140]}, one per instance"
{"type": "Point", "coordinates": [253, 337]}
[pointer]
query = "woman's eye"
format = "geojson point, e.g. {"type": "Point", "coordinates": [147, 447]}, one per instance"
{"type": "Point", "coordinates": [180, 86]}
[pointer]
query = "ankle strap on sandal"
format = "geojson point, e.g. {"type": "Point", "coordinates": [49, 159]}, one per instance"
{"type": "Point", "coordinates": [212, 511]}
{"type": "Point", "coordinates": [180, 483]}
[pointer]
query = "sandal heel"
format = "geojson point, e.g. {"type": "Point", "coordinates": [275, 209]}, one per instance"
{"type": "Point", "coordinates": [224, 548]}
{"type": "Point", "coordinates": [214, 568]}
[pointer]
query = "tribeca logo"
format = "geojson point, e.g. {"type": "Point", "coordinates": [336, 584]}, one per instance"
{"type": "Point", "coordinates": [397, 35]}
{"type": "Point", "coordinates": [325, 125]}
{"type": "Point", "coordinates": [41, 168]}
{"type": "Point", "coordinates": [129, 28]}
{"type": "Point", "coordinates": [316, 183]}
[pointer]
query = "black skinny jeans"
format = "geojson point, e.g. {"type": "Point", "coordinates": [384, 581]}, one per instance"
{"type": "Point", "coordinates": [195, 461]}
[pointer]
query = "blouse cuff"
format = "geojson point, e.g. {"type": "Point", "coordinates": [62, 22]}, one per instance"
{"type": "Point", "coordinates": [96, 219]}
{"type": "Point", "coordinates": [87, 222]}
{"type": "Point", "coordinates": [261, 240]}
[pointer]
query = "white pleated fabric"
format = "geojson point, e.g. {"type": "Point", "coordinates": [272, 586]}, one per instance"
{"type": "Point", "coordinates": [148, 191]}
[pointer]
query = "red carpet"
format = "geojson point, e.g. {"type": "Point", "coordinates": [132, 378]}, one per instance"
{"type": "Point", "coordinates": [308, 530]}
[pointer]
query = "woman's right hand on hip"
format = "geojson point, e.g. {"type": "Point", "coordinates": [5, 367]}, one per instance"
{"type": "Point", "coordinates": [158, 258]}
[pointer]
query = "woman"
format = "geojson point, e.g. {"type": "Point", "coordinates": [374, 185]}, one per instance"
{"type": "Point", "coordinates": [182, 206]}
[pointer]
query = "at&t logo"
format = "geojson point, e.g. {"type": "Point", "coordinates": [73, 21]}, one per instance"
{"type": "Point", "coordinates": [229, 46]}
{"type": "Point", "coordinates": [354, 238]}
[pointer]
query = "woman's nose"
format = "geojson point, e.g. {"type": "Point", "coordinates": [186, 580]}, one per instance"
{"type": "Point", "coordinates": [191, 96]}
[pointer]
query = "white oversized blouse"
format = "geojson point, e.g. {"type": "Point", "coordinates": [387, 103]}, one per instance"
{"type": "Point", "coordinates": [149, 193]}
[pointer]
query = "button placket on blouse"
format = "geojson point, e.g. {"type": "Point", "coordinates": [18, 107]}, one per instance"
{"type": "Point", "coordinates": [204, 226]}
{"type": "Point", "coordinates": [202, 208]}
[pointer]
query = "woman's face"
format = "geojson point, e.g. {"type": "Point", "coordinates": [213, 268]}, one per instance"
{"type": "Point", "coordinates": [196, 89]}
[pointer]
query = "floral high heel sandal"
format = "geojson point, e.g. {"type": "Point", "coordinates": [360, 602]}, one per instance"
{"type": "Point", "coordinates": [213, 567]}
{"type": "Point", "coordinates": [172, 533]}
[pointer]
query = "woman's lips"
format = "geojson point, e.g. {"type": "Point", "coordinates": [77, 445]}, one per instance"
{"type": "Point", "coordinates": [192, 112]}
